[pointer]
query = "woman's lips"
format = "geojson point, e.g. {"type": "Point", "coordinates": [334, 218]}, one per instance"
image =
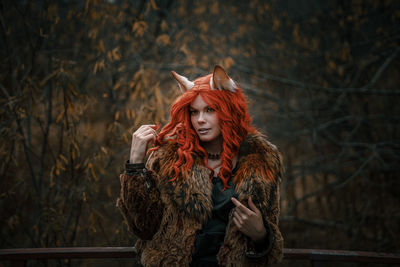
{"type": "Point", "coordinates": [203, 130]}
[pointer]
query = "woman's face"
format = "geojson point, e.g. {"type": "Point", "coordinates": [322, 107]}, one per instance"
{"type": "Point", "coordinates": [204, 120]}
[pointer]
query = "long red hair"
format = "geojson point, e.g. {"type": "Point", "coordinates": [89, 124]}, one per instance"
{"type": "Point", "coordinates": [235, 124]}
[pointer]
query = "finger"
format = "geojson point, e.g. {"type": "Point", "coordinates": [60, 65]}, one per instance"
{"type": "Point", "coordinates": [252, 206]}
{"type": "Point", "coordinates": [155, 127]}
{"type": "Point", "coordinates": [149, 136]}
{"type": "Point", "coordinates": [242, 216]}
{"type": "Point", "coordinates": [149, 131]}
{"type": "Point", "coordinates": [235, 201]}
{"type": "Point", "coordinates": [241, 227]}
{"type": "Point", "coordinates": [145, 131]}
{"type": "Point", "coordinates": [238, 225]}
{"type": "Point", "coordinates": [145, 127]}
{"type": "Point", "coordinates": [240, 206]}
{"type": "Point", "coordinates": [238, 216]}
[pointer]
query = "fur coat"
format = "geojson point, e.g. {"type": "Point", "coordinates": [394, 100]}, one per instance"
{"type": "Point", "coordinates": [166, 216]}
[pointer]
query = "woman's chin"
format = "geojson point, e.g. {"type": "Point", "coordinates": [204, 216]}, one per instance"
{"type": "Point", "coordinates": [207, 138]}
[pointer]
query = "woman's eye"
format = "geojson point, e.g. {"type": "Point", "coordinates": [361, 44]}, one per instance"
{"type": "Point", "coordinates": [210, 110]}
{"type": "Point", "coordinates": [193, 112]}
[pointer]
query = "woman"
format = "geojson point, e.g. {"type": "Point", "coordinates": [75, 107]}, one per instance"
{"type": "Point", "coordinates": [208, 195]}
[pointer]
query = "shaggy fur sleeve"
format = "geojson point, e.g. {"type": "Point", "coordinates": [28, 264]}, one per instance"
{"type": "Point", "coordinates": [262, 168]}
{"type": "Point", "coordinates": [271, 251]}
{"type": "Point", "coordinates": [140, 202]}
{"type": "Point", "coordinates": [266, 197]}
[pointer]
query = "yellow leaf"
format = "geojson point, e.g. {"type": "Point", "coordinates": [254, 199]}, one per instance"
{"type": "Point", "coordinates": [153, 5]}
{"type": "Point", "coordinates": [331, 65]}
{"type": "Point", "coordinates": [87, 6]}
{"type": "Point", "coordinates": [275, 24]}
{"type": "Point", "coordinates": [42, 34]}
{"type": "Point", "coordinates": [340, 71]}
{"type": "Point", "coordinates": [101, 66]}
{"type": "Point", "coordinates": [63, 158]}
{"type": "Point", "coordinates": [115, 53]}
{"type": "Point", "coordinates": [75, 145]}
{"type": "Point", "coordinates": [95, 67]}
{"type": "Point", "coordinates": [60, 116]}
{"type": "Point", "coordinates": [109, 56]}
{"type": "Point", "coordinates": [203, 26]}
{"type": "Point", "coordinates": [184, 49]}
{"type": "Point", "coordinates": [164, 25]}
{"type": "Point", "coordinates": [314, 44]}
{"type": "Point", "coordinates": [139, 27]}
{"type": "Point", "coordinates": [117, 85]}
{"type": "Point", "coordinates": [108, 189]}
{"type": "Point", "coordinates": [242, 29]}
{"type": "Point", "coordinates": [214, 9]}
{"type": "Point", "coordinates": [104, 150]}
{"type": "Point", "coordinates": [70, 106]}
{"type": "Point", "coordinates": [163, 39]}
{"type": "Point", "coordinates": [228, 62]}
{"type": "Point", "coordinates": [60, 166]}
{"type": "Point", "coordinates": [101, 47]}
{"type": "Point", "coordinates": [126, 139]}
{"type": "Point", "coordinates": [93, 33]}
{"type": "Point", "coordinates": [200, 9]}
{"type": "Point", "coordinates": [92, 172]}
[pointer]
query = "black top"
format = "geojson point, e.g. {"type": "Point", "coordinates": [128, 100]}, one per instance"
{"type": "Point", "coordinates": [210, 238]}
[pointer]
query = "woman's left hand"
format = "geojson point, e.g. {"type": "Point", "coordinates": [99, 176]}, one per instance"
{"type": "Point", "coordinates": [249, 221]}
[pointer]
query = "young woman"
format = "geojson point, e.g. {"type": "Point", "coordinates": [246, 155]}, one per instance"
{"type": "Point", "coordinates": [208, 194]}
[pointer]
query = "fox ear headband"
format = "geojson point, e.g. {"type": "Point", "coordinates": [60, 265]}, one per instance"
{"type": "Point", "coordinates": [219, 81]}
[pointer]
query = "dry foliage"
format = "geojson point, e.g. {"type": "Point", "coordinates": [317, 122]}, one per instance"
{"type": "Point", "coordinates": [76, 79]}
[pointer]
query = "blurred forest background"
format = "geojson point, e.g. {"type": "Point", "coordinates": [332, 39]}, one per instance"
{"type": "Point", "coordinates": [78, 77]}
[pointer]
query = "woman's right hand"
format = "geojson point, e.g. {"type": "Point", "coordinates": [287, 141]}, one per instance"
{"type": "Point", "coordinates": [140, 139]}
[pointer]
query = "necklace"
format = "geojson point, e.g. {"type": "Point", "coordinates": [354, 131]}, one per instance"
{"type": "Point", "coordinates": [213, 156]}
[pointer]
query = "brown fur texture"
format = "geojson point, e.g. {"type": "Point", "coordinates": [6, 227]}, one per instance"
{"type": "Point", "coordinates": [167, 216]}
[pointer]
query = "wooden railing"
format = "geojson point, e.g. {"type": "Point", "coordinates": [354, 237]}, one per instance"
{"type": "Point", "coordinates": [317, 257]}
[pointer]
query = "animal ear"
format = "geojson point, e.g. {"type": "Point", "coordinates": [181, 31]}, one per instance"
{"type": "Point", "coordinates": [183, 82]}
{"type": "Point", "coordinates": [221, 80]}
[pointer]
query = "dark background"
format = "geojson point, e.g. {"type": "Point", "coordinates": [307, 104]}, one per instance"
{"type": "Point", "coordinates": [77, 78]}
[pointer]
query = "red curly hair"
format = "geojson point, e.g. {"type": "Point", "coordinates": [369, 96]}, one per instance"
{"type": "Point", "coordinates": [235, 124]}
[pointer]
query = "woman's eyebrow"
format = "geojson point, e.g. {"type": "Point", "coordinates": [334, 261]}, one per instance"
{"type": "Point", "coordinates": [192, 108]}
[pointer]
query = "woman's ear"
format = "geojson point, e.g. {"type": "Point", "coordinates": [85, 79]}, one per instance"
{"type": "Point", "coordinates": [220, 80]}
{"type": "Point", "coordinates": [183, 82]}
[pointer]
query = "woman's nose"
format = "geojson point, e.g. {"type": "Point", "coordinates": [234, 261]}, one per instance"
{"type": "Point", "coordinates": [201, 119]}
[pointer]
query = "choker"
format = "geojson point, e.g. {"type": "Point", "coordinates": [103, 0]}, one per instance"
{"type": "Point", "coordinates": [213, 156]}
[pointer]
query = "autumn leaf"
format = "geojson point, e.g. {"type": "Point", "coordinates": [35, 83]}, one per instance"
{"type": "Point", "coordinates": [228, 62]}
{"type": "Point", "coordinates": [139, 28]}
{"type": "Point", "coordinates": [163, 39]}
